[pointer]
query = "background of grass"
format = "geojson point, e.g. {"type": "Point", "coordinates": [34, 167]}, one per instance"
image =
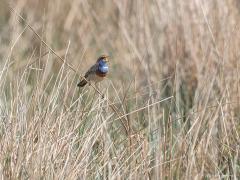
{"type": "Point", "coordinates": [185, 51]}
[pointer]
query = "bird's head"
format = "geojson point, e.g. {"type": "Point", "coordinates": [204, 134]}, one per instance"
{"type": "Point", "coordinates": [102, 63]}
{"type": "Point", "coordinates": [103, 58]}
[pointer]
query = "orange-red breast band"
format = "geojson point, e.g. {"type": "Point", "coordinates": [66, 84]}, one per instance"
{"type": "Point", "coordinates": [98, 73]}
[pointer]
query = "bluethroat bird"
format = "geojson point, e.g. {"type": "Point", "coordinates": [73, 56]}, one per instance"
{"type": "Point", "coordinates": [97, 72]}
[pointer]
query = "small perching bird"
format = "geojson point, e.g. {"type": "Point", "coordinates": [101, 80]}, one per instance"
{"type": "Point", "coordinates": [97, 72]}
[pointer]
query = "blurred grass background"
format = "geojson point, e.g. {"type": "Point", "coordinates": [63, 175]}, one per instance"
{"type": "Point", "coordinates": [171, 106]}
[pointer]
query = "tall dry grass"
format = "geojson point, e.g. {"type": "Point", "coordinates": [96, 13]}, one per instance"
{"type": "Point", "coordinates": [171, 106]}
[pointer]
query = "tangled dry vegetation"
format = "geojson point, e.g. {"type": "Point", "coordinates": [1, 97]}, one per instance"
{"type": "Point", "coordinates": [171, 108]}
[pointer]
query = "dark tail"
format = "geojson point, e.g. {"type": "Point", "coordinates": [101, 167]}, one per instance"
{"type": "Point", "coordinates": [82, 83]}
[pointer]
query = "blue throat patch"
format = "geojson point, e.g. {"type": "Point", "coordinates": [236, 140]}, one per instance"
{"type": "Point", "coordinates": [103, 67]}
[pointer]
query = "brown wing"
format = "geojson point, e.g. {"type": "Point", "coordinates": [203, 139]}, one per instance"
{"type": "Point", "coordinates": [92, 70]}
